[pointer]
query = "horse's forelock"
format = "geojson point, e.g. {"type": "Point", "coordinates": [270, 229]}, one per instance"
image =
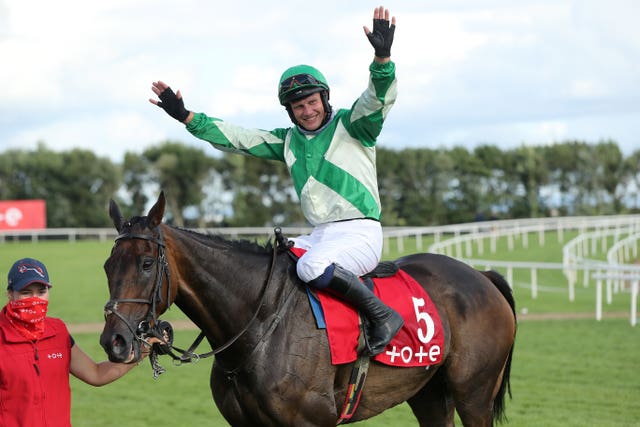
{"type": "Point", "coordinates": [141, 222]}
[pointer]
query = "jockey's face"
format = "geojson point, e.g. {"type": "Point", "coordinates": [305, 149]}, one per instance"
{"type": "Point", "coordinates": [309, 112]}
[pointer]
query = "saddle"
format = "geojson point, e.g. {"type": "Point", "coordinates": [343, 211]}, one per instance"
{"type": "Point", "coordinates": [383, 269]}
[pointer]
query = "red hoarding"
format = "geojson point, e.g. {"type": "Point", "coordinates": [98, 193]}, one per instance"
{"type": "Point", "coordinates": [22, 214]}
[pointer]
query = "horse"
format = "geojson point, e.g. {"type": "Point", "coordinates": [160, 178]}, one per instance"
{"type": "Point", "coordinates": [272, 365]}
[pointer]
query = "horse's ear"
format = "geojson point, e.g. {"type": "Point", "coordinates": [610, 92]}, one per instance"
{"type": "Point", "coordinates": [116, 216]}
{"type": "Point", "coordinates": [157, 211]}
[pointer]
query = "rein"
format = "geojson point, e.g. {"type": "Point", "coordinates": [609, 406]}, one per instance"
{"type": "Point", "coordinates": [189, 356]}
{"type": "Point", "coordinates": [162, 329]}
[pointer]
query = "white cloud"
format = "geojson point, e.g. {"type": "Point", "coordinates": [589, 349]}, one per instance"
{"type": "Point", "coordinates": [107, 136]}
{"type": "Point", "coordinates": [78, 73]}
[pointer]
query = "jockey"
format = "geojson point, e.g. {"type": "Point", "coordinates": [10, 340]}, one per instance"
{"type": "Point", "coordinates": [332, 161]}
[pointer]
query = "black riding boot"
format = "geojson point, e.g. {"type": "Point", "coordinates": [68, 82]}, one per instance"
{"type": "Point", "coordinates": [384, 322]}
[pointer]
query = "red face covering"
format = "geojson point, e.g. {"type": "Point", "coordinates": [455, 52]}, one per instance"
{"type": "Point", "coordinates": [27, 316]}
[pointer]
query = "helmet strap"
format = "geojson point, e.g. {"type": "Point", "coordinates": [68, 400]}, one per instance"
{"type": "Point", "coordinates": [327, 107]}
{"type": "Point", "coordinates": [290, 112]}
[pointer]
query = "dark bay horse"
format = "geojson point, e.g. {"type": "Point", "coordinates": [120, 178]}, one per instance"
{"type": "Point", "coordinates": [272, 364]}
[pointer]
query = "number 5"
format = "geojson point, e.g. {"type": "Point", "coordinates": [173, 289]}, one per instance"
{"type": "Point", "coordinates": [418, 303]}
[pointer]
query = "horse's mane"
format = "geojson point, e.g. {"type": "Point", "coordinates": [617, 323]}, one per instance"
{"type": "Point", "coordinates": [208, 239]}
{"type": "Point", "coordinates": [242, 245]}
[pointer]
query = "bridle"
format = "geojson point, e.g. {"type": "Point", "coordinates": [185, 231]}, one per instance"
{"type": "Point", "coordinates": [155, 297]}
{"type": "Point", "coordinates": [162, 329]}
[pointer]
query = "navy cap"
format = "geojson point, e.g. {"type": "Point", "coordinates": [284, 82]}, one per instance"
{"type": "Point", "coordinates": [25, 272]}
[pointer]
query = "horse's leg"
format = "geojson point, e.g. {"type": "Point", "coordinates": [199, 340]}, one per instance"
{"type": "Point", "coordinates": [474, 377]}
{"type": "Point", "coordinates": [433, 405]}
{"type": "Point", "coordinates": [475, 407]}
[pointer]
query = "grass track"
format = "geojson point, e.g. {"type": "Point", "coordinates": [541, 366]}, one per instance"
{"type": "Point", "coordinates": [565, 372]}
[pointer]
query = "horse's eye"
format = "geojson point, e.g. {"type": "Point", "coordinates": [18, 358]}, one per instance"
{"type": "Point", "coordinates": [147, 264]}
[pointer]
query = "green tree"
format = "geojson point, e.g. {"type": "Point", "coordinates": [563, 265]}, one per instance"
{"type": "Point", "coordinates": [424, 177]}
{"type": "Point", "coordinates": [469, 187]}
{"type": "Point", "coordinates": [562, 163]}
{"type": "Point", "coordinates": [526, 169]}
{"type": "Point", "coordinates": [76, 184]}
{"type": "Point", "coordinates": [181, 171]}
{"type": "Point", "coordinates": [631, 179]}
{"type": "Point", "coordinates": [136, 176]}
{"type": "Point", "coordinates": [494, 185]}
{"type": "Point", "coordinates": [588, 181]}
{"type": "Point", "coordinates": [418, 186]}
{"type": "Point", "coordinates": [263, 192]}
{"type": "Point", "coordinates": [611, 174]}
{"type": "Point", "coordinates": [389, 187]}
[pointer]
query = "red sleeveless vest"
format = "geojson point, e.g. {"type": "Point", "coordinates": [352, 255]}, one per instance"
{"type": "Point", "coordinates": [34, 377]}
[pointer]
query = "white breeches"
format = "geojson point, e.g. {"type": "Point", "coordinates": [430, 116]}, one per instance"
{"type": "Point", "coordinates": [355, 245]}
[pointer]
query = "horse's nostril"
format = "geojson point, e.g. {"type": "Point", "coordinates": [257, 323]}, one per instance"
{"type": "Point", "coordinates": [117, 347]}
{"type": "Point", "coordinates": [118, 341]}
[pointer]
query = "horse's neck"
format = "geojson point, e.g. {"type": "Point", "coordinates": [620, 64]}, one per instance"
{"type": "Point", "coordinates": [220, 289]}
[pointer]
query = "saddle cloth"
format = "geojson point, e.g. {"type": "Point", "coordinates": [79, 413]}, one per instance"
{"type": "Point", "coordinates": [420, 342]}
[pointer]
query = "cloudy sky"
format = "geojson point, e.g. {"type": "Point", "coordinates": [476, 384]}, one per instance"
{"type": "Point", "coordinates": [78, 73]}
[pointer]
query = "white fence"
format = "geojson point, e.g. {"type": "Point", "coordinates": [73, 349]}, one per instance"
{"type": "Point", "coordinates": [595, 234]}
{"type": "Point", "coordinates": [468, 242]}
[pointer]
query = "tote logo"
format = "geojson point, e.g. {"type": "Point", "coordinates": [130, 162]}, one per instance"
{"type": "Point", "coordinates": [22, 214]}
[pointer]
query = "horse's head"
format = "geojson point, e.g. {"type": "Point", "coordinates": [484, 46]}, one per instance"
{"type": "Point", "coordinates": [139, 287]}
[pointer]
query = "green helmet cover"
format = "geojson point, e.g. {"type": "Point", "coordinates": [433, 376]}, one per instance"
{"type": "Point", "coordinates": [300, 81]}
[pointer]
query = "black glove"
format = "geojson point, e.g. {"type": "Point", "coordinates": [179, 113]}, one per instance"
{"type": "Point", "coordinates": [173, 105]}
{"type": "Point", "coordinates": [381, 38]}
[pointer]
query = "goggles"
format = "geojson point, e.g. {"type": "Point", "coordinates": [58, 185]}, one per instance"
{"type": "Point", "coordinates": [299, 80]}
